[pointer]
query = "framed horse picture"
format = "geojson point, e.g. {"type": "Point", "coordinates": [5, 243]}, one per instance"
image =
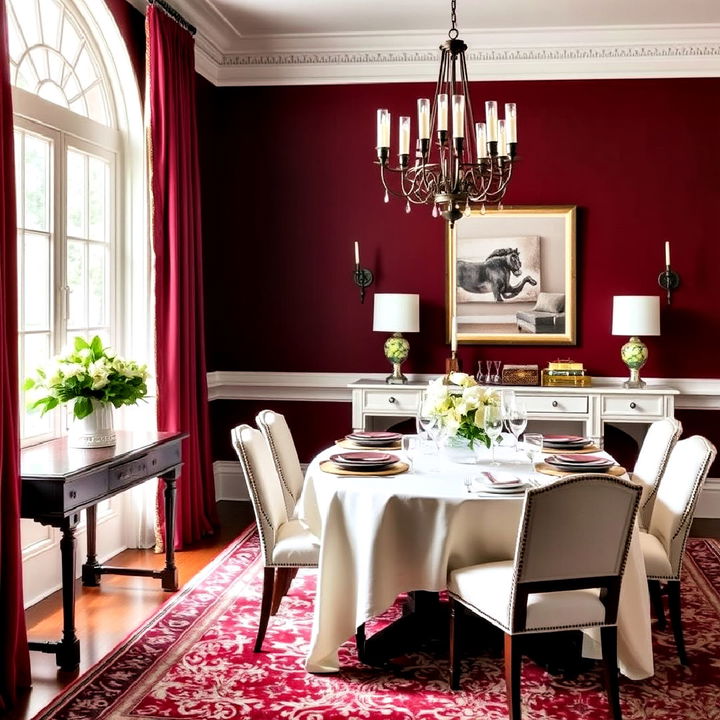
{"type": "Point", "coordinates": [511, 276]}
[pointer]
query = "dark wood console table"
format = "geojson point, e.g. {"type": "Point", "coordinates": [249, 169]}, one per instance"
{"type": "Point", "coordinates": [58, 482]}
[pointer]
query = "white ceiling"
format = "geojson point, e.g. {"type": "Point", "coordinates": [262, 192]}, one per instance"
{"type": "Point", "coordinates": [330, 41]}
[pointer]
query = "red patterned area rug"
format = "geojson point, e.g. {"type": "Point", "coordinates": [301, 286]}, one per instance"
{"type": "Point", "coordinates": [194, 659]}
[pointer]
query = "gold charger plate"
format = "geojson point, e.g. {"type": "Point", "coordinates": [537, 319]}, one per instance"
{"type": "Point", "coordinates": [546, 469]}
{"type": "Point", "coordinates": [330, 467]}
{"type": "Point", "coordinates": [556, 451]}
{"type": "Point", "coordinates": [350, 445]}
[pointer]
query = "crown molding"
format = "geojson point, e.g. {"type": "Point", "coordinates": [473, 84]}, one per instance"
{"type": "Point", "coordinates": [548, 54]}
{"type": "Point", "coordinates": [225, 57]}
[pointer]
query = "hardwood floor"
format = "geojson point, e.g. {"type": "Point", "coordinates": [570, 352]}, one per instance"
{"type": "Point", "coordinates": [106, 615]}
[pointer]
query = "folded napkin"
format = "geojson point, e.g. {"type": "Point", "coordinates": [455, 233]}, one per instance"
{"type": "Point", "coordinates": [501, 478]}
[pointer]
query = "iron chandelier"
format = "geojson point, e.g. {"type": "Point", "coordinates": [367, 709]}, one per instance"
{"type": "Point", "coordinates": [466, 167]}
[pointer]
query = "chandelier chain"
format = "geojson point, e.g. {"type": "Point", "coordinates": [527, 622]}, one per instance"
{"type": "Point", "coordinates": [453, 32]}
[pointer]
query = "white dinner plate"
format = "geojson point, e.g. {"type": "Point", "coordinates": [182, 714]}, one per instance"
{"type": "Point", "coordinates": [500, 490]}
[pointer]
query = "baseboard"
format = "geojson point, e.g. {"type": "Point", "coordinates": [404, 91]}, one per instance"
{"type": "Point", "coordinates": [230, 485]}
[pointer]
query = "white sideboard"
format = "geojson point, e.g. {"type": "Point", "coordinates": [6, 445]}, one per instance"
{"type": "Point", "coordinates": [376, 404]}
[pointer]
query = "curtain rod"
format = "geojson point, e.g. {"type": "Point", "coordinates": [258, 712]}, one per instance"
{"type": "Point", "coordinates": [174, 14]}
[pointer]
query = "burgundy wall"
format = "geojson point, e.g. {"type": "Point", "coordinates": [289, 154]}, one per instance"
{"type": "Point", "coordinates": [291, 185]}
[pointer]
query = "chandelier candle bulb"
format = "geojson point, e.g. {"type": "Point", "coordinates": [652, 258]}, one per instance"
{"type": "Point", "coordinates": [481, 140]}
{"type": "Point", "coordinates": [423, 118]}
{"type": "Point", "coordinates": [458, 109]}
{"type": "Point", "coordinates": [491, 120]}
{"type": "Point", "coordinates": [502, 145]}
{"type": "Point", "coordinates": [383, 129]}
{"type": "Point", "coordinates": [404, 134]}
{"type": "Point", "coordinates": [510, 123]}
{"type": "Point", "coordinates": [442, 112]}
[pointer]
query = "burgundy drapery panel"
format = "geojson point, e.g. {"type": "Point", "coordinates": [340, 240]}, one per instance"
{"type": "Point", "coordinates": [14, 655]}
{"type": "Point", "coordinates": [180, 334]}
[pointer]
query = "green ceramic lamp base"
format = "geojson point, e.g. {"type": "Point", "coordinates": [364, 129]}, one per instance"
{"type": "Point", "coordinates": [396, 351]}
{"type": "Point", "coordinates": [634, 354]}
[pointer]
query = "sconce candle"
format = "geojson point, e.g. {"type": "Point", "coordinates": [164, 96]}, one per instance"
{"type": "Point", "coordinates": [453, 335]}
{"type": "Point", "coordinates": [668, 280]}
{"type": "Point", "coordinates": [362, 276]}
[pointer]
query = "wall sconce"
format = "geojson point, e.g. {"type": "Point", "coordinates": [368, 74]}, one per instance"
{"type": "Point", "coordinates": [668, 280]}
{"type": "Point", "coordinates": [362, 276]}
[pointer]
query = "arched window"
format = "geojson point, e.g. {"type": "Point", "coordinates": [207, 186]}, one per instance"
{"type": "Point", "coordinates": [80, 186]}
{"type": "Point", "coordinates": [51, 56]}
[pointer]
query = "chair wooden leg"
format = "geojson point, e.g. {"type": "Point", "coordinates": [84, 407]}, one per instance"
{"type": "Point", "coordinates": [283, 578]}
{"type": "Point", "coordinates": [360, 642]}
{"type": "Point", "coordinates": [673, 591]}
{"type": "Point", "coordinates": [265, 604]}
{"type": "Point", "coordinates": [513, 660]}
{"type": "Point", "coordinates": [608, 640]}
{"type": "Point", "coordinates": [453, 654]}
{"type": "Point", "coordinates": [657, 603]}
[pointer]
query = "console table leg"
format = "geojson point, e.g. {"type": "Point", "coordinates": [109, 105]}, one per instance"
{"type": "Point", "coordinates": [169, 577]}
{"type": "Point", "coordinates": [90, 576]}
{"type": "Point", "coordinates": [68, 649]}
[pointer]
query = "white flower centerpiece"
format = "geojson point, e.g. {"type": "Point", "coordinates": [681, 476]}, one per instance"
{"type": "Point", "coordinates": [94, 381]}
{"type": "Point", "coordinates": [460, 414]}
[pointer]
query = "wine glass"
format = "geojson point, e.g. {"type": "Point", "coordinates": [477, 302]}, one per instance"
{"type": "Point", "coordinates": [493, 426]}
{"type": "Point", "coordinates": [517, 420]}
{"type": "Point", "coordinates": [479, 375]}
{"type": "Point", "coordinates": [410, 447]}
{"type": "Point", "coordinates": [533, 448]}
{"type": "Point", "coordinates": [496, 375]}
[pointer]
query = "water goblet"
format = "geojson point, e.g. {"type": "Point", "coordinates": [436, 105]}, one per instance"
{"type": "Point", "coordinates": [517, 420]}
{"type": "Point", "coordinates": [410, 448]}
{"type": "Point", "coordinates": [533, 448]}
{"type": "Point", "coordinates": [493, 426]}
{"type": "Point", "coordinates": [489, 377]}
{"type": "Point", "coordinates": [479, 375]}
{"type": "Point", "coordinates": [496, 374]}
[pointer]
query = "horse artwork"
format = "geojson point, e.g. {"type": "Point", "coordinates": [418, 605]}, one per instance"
{"type": "Point", "coordinates": [494, 275]}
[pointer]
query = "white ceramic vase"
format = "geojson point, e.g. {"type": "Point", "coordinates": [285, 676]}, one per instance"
{"type": "Point", "coordinates": [94, 430]}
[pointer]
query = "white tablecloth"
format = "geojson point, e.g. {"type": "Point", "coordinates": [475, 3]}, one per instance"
{"type": "Point", "coordinates": [382, 536]}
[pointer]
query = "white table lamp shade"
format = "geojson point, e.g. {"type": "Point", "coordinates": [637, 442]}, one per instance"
{"type": "Point", "coordinates": [396, 312]}
{"type": "Point", "coordinates": [636, 315]}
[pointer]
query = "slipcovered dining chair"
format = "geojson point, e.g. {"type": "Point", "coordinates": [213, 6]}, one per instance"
{"type": "Point", "coordinates": [651, 461]}
{"type": "Point", "coordinates": [663, 545]}
{"type": "Point", "coordinates": [286, 545]}
{"type": "Point", "coordinates": [569, 561]}
{"type": "Point", "coordinates": [275, 429]}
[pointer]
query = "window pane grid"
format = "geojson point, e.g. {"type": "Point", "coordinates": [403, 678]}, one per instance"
{"type": "Point", "coordinates": [51, 57]}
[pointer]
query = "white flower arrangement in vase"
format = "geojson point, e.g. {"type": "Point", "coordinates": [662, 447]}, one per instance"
{"type": "Point", "coordinates": [93, 380]}
{"type": "Point", "coordinates": [461, 414]}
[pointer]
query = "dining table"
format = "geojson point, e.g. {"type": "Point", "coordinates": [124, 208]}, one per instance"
{"type": "Point", "coordinates": [384, 535]}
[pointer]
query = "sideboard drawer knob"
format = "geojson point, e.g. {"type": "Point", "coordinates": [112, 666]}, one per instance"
{"type": "Point", "coordinates": [633, 405]}
{"type": "Point", "coordinates": [554, 403]}
{"type": "Point", "coordinates": [392, 400]}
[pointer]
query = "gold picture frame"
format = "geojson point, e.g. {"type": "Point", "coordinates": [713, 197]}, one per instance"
{"type": "Point", "coordinates": [511, 276]}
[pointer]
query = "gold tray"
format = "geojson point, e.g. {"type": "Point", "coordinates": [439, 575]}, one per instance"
{"type": "Point", "coordinates": [545, 469]}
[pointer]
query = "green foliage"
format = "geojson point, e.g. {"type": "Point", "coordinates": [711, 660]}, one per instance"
{"type": "Point", "coordinates": [89, 372]}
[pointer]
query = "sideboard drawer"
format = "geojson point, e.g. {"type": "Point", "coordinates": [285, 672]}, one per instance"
{"type": "Point", "coordinates": [555, 403]}
{"type": "Point", "coordinates": [632, 405]}
{"type": "Point", "coordinates": [392, 401]}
